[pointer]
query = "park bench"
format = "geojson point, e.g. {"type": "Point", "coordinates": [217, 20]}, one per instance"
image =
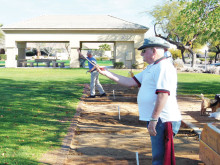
{"type": "Point", "coordinates": [57, 64]}
{"type": "Point", "coordinates": [46, 61]}
{"type": "Point", "coordinates": [24, 64]}
{"type": "Point", "coordinates": [20, 62]}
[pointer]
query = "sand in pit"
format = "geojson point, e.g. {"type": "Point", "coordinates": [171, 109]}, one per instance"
{"type": "Point", "coordinates": [101, 138]}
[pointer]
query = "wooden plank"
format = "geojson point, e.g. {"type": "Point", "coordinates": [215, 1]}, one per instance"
{"type": "Point", "coordinates": [208, 155]}
{"type": "Point", "coordinates": [211, 136]}
{"type": "Point", "coordinates": [194, 127]}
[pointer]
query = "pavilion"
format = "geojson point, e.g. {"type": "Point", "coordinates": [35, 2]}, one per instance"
{"type": "Point", "coordinates": [75, 30]}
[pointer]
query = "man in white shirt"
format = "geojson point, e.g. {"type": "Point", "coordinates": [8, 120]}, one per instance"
{"type": "Point", "coordinates": [157, 95]}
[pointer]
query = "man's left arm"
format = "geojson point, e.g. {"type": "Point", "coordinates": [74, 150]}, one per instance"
{"type": "Point", "coordinates": [160, 103]}
{"type": "Point", "coordinates": [92, 69]}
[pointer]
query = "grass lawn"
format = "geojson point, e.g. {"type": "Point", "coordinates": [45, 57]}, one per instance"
{"type": "Point", "coordinates": [197, 83]}
{"type": "Point", "coordinates": [37, 105]}
{"type": "Point", "coordinates": [35, 108]}
{"type": "Point", "coordinates": [2, 63]}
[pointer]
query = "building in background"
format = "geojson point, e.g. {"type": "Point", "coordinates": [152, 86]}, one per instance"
{"type": "Point", "coordinates": [75, 30]}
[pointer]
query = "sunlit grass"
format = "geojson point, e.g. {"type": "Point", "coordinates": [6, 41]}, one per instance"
{"type": "Point", "coordinates": [36, 107]}
{"type": "Point", "coordinates": [2, 63]}
{"type": "Point", "coordinates": [197, 83]}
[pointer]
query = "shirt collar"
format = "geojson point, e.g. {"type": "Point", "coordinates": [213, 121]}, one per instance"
{"type": "Point", "coordinates": [160, 59]}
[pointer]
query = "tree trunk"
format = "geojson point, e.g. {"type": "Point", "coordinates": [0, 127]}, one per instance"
{"type": "Point", "coordinates": [183, 58]}
{"type": "Point", "coordinates": [193, 57]}
{"type": "Point", "coordinates": [38, 53]}
{"type": "Point", "coordinates": [66, 45]}
{"type": "Point", "coordinates": [217, 56]}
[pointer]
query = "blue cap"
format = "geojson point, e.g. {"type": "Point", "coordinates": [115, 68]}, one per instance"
{"type": "Point", "coordinates": [89, 52]}
{"type": "Point", "coordinates": [154, 42]}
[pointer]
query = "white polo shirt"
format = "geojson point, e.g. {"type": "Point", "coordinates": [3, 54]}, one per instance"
{"type": "Point", "coordinates": [158, 77]}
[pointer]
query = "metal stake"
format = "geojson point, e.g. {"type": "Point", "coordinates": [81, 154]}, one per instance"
{"type": "Point", "coordinates": [119, 117]}
{"type": "Point", "coordinates": [137, 159]}
{"type": "Point", "coordinates": [114, 94]}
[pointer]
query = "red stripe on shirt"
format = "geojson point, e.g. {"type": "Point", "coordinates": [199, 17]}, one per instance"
{"type": "Point", "coordinates": [162, 91]}
{"type": "Point", "coordinates": [136, 80]}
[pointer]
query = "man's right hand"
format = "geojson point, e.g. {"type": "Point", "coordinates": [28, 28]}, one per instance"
{"type": "Point", "coordinates": [152, 128]}
{"type": "Point", "coordinates": [101, 71]}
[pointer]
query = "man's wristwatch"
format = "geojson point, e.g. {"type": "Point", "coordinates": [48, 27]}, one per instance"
{"type": "Point", "coordinates": [153, 119]}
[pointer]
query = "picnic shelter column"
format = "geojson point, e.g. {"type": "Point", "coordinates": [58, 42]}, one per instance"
{"type": "Point", "coordinates": [11, 61]}
{"type": "Point", "coordinates": [74, 56]}
{"type": "Point", "coordinates": [21, 52]}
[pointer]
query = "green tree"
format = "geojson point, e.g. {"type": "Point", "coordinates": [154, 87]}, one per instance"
{"type": "Point", "coordinates": [105, 47]}
{"type": "Point", "coordinates": [1, 34]}
{"type": "Point", "coordinates": [215, 48]}
{"type": "Point", "coordinates": [186, 23]}
{"type": "Point", "coordinates": [165, 24]}
{"type": "Point", "coordinates": [204, 21]}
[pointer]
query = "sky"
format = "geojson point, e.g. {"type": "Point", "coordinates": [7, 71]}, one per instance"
{"type": "Point", "coordinates": [13, 11]}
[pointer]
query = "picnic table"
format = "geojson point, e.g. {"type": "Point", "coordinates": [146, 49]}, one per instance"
{"type": "Point", "coordinates": [55, 63]}
{"type": "Point", "coordinates": [46, 61]}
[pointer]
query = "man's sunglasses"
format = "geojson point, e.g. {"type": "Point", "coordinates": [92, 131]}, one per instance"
{"type": "Point", "coordinates": [143, 51]}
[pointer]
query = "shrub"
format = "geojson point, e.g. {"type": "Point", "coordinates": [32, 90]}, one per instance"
{"type": "Point", "coordinates": [211, 57]}
{"type": "Point", "coordinates": [175, 53]}
{"type": "Point", "coordinates": [202, 59]}
{"type": "Point", "coordinates": [105, 58]}
{"type": "Point", "coordinates": [102, 58]}
{"type": "Point", "coordinates": [98, 58]}
{"type": "Point", "coordinates": [3, 56]}
{"type": "Point", "coordinates": [2, 51]}
{"type": "Point", "coordinates": [118, 65]}
{"type": "Point", "coordinates": [30, 53]}
{"type": "Point", "coordinates": [134, 66]}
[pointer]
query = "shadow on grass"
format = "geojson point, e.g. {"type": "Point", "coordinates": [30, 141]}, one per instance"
{"type": "Point", "coordinates": [34, 117]}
